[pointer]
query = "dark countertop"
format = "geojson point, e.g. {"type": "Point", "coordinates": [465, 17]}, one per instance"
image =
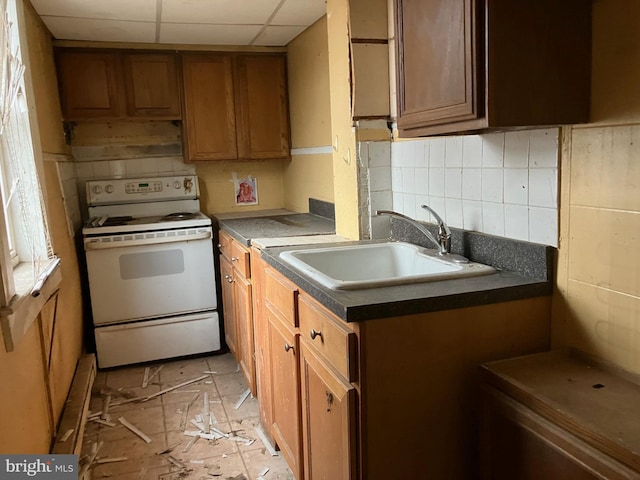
{"type": "Point", "coordinates": [283, 225]}
{"type": "Point", "coordinates": [372, 303]}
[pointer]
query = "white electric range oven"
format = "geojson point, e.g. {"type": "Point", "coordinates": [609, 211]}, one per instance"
{"type": "Point", "coordinates": [150, 263]}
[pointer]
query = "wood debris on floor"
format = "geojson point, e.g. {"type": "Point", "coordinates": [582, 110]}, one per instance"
{"type": "Point", "coordinates": [189, 418]}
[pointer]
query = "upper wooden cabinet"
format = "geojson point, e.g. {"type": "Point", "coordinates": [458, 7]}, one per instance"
{"type": "Point", "coordinates": [151, 82]}
{"type": "Point", "coordinates": [108, 85]}
{"type": "Point", "coordinates": [235, 107]}
{"type": "Point", "coordinates": [465, 65]}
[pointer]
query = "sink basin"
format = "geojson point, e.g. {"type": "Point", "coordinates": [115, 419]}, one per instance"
{"type": "Point", "coordinates": [354, 267]}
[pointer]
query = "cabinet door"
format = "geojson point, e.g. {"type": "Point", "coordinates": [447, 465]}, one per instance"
{"type": "Point", "coordinates": [328, 420]}
{"type": "Point", "coordinates": [244, 328]}
{"type": "Point", "coordinates": [437, 62]}
{"type": "Point", "coordinates": [263, 118]}
{"type": "Point", "coordinates": [285, 378]}
{"type": "Point", "coordinates": [90, 85]}
{"type": "Point", "coordinates": [209, 107]}
{"type": "Point", "coordinates": [228, 305]}
{"type": "Point", "coordinates": [151, 80]}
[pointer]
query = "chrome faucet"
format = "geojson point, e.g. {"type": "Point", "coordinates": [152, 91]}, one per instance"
{"type": "Point", "coordinates": [443, 241]}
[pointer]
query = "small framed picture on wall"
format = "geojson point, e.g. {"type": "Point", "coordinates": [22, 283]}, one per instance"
{"type": "Point", "coordinates": [246, 190]}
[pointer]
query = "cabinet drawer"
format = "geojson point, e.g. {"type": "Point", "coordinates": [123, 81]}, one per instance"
{"type": "Point", "coordinates": [331, 339]}
{"type": "Point", "coordinates": [240, 258]}
{"type": "Point", "coordinates": [224, 244]}
{"type": "Point", "coordinates": [281, 295]}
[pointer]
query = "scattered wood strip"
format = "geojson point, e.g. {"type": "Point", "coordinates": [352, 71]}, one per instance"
{"type": "Point", "coordinates": [185, 412]}
{"type": "Point", "coordinates": [145, 379]}
{"type": "Point", "coordinates": [205, 413]}
{"type": "Point", "coordinates": [74, 416]}
{"type": "Point", "coordinates": [263, 472]}
{"type": "Point", "coordinates": [176, 462]}
{"type": "Point", "coordinates": [150, 377]}
{"type": "Point", "coordinates": [198, 425]}
{"type": "Point", "coordinates": [191, 444]}
{"type": "Point", "coordinates": [105, 408]}
{"type": "Point", "coordinates": [265, 441]}
{"type": "Point", "coordinates": [102, 422]}
{"type": "Point", "coordinates": [135, 430]}
{"type": "Point", "coordinates": [188, 382]}
{"type": "Point", "coordinates": [168, 450]}
{"type": "Point", "coordinates": [111, 460]}
{"type": "Point", "coordinates": [242, 398]}
{"type": "Point", "coordinates": [66, 435]}
{"type": "Point", "coordinates": [92, 458]}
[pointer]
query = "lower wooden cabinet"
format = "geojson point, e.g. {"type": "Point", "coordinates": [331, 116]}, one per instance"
{"type": "Point", "coordinates": [237, 304]}
{"type": "Point", "coordinates": [228, 304]}
{"type": "Point", "coordinates": [329, 419]}
{"type": "Point", "coordinates": [559, 416]}
{"type": "Point", "coordinates": [385, 398]}
{"type": "Point", "coordinates": [284, 356]}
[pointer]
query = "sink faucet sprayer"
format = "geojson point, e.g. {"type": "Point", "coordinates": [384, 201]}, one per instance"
{"type": "Point", "coordinates": [443, 239]}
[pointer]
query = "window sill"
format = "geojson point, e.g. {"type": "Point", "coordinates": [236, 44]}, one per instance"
{"type": "Point", "coordinates": [23, 310]}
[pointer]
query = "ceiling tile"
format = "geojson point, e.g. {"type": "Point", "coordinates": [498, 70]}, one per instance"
{"type": "Point", "coordinates": [218, 11]}
{"type": "Point", "coordinates": [68, 28]}
{"type": "Point", "coordinates": [143, 10]}
{"type": "Point", "coordinates": [278, 35]}
{"type": "Point", "coordinates": [208, 34]}
{"type": "Point", "coordinates": [299, 12]}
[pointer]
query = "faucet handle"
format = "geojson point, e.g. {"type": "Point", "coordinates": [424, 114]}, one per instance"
{"type": "Point", "coordinates": [443, 226]}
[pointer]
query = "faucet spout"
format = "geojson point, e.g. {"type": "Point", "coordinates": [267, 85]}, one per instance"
{"type": "Point", "coordinates": [417, 225]}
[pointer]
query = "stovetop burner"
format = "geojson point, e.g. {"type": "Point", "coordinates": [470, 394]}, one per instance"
{"type": "Point", "coordinates": [178, 216]}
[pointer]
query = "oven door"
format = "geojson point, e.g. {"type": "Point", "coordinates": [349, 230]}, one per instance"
{"type": "Point", "coordinates": [150, 275]}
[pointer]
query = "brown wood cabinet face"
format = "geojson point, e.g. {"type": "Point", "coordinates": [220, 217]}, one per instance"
{"type": "Point", "coordinates": [90, 85]}
{"type": "Point", "coordinates": [469, 65]}
{"type": "Point", "coordinates": [515, 442]}
{"type": "Point", "coordinates": [328, 421]}
{"type": "Point", "coordinates": [244, 325]}
{"type": "Point", "coordinates": [437, 62]}
{"type": "Point", "coordinates": [285, 377]}
{"type": "Point", "coordinates": [209, 107]}
{"type": "Point", "coordinates": [228, 304]}
{"type": "Point", "coordinates": [262, 112]}
{"type": "Point", "coordinates": [151, 81]}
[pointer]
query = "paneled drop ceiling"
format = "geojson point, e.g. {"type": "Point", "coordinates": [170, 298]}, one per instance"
{"type": "Point", "coordinates": [206, 22]}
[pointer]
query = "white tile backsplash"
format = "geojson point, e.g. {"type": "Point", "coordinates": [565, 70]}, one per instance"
{"type": "Point", "coordinates": [453, 152]}
{"type": "Point", "coordinates": [379, 154]}
{"type": "Point", "coordinates": [437, 149]}
{"type": "Point", "coordinates": [516, 186]}
{"type": "Point", "coordinates": [500, 183]}
{"type": "Point", "coordinates": [471, 151]}
{"type": "Point", "coordinates": [493, 150]}
{"type": "Point", "coordinates": [492, 185]}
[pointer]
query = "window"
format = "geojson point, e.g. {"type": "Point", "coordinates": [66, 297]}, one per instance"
{"type": "Point", "coordinates": [26, 256]}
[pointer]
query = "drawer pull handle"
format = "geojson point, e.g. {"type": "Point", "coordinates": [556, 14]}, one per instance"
{"type": "Point", "coordinates": [234, 259]}
{"type": "Point", "coordinates": [315, 334]}
{"type": "Point", "coordinates": [287, 347]}
{"type": "Point", "coordinates": [229, 278]}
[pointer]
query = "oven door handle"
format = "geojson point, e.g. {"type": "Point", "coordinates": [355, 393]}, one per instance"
{"type": "Point", "coordinates": [146, 241]}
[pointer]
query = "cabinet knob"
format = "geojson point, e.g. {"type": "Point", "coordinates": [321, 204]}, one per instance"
{"type": "Point", "coordinates": [220, 246]}
{"type": "Point", "coordinates": [234, 259]}
{"type": "Point", "coordinates": [229, 278]}
{"type": "Point", "coordinates": [287, 347]}
{"type": "Point", "coordinates": [315, 334]}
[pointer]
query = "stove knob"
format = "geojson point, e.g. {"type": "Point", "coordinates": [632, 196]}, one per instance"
{"type": "Point", "coordinates": [177, 184]}
{"type": "Point", "coordinates": [109, 188]}
{"type": "Point", "coordinates": [97, 189]}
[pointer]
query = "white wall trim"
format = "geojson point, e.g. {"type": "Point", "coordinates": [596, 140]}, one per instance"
{"type": "Point", "coordinates": [312, 150]}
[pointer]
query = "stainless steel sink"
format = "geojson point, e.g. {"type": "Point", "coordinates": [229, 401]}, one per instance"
{"type": "Point", "coordinates": [353, 267]}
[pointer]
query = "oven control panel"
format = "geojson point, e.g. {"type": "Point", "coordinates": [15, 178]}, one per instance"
{"type": "Point", "coordinates": [138, 190]}
{"type": "Point", "coordinates": [142, 187]}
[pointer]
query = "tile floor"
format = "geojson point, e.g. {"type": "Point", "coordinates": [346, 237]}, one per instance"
{"type": "Point", "coordinates": [160, 418]}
